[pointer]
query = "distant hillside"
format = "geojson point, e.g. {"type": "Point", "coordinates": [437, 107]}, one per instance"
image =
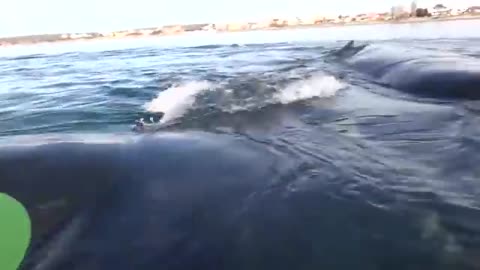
{"type": "Point", "coordinates": [31, 39]}
{"type": "Point", "coordinates": [58, 37]}
{"type": "Point", "coordinates": [42, 38]}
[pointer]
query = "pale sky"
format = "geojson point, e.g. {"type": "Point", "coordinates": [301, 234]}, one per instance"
{"type": "Point", "coordinates": [22, 17]}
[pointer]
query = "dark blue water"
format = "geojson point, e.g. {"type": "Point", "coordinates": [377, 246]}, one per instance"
{"type": "Point", "coordinates": [276, 150]}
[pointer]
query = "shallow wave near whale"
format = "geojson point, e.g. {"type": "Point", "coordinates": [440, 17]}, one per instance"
{"type": "Point", "coordinates": [277, 156]}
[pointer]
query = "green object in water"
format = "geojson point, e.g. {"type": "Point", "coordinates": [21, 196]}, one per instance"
{"type": "Point", "coordinates": [15, 232]}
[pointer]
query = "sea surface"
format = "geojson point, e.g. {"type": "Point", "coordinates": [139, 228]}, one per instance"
{"type": "Point", "coordinates": [289, 149]}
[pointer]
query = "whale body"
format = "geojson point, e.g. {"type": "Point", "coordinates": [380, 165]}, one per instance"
{"type": "Point", "coordinates": [420, 72]}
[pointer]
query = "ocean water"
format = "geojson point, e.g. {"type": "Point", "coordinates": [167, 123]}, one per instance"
{"type": "Point", "coordinates": [276, 150]}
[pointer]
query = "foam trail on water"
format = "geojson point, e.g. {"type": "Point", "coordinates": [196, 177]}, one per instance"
{"type": "Point", "coordinates": [175, 101]}
{"type": "Point", "coordinates": [319, 85]}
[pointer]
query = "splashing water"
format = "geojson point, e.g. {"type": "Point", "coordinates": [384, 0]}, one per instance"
{"type": "Point", "coordinates": [316, 86]}
{"type": "Point", "coordinates": [176, 100]}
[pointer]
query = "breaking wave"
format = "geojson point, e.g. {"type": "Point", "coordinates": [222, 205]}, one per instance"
{"type": "Point", "coordinates": [235, 96]}
{"type": "Point", "coordinates": [176, 100]}
{"type": "Point", "coordinates": [316, 86]}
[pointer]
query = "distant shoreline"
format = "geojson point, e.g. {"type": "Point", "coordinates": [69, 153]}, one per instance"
{"type": "Point", "coordinates": [56, 38]}
{"type": "Point", "coordinates": [392, 22]}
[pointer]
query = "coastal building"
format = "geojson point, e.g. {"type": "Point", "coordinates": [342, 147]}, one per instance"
{"type": "Point", "coordinates": [310, 20]}
{"type": "Point", "coordinates": [106, 34]}
{"type": "Point", "coordinates": [132, 33]}
{"type": "Point", "coordinates": [209, 27]}
{"type": "Point", "coordinates": [172, 29]}
{"type": "Point", "coordinates": [385, 16]}
{"type": "Point", "coordinates": [194, 27]}
{"type": "Point", "coordinates": [399, 12]}
{"type": "Point", "coordinates": [473, 10]}
{"type": "Point", "coordinates": [79, 36]}
{"type": "Point", "coordinates": [293, 21]}
{"type": "Point", "coordinates": [368, 17]}
{"type": "Point", "coordinates": [253, 26]}
{"type": "Point", "coordinates": [157, 31]}
{"type": "Point", "coordinates": [146, 32]}
{"type": "Point", "coordinates": [278, 23]}
{"type": "Point", "coordinates": [329, 19]}
{"type": "Point", "coordinates": [220, 27]}
{"type": "Point", "coordinates": [119, 34]}
{"type": "Point", "coordinates": [263, 24]}
{"type": "Point", "coordinates": [361, 17]}
{"type": "Point", "coordinates": [234, 26]}
{"type": "Point", "coordinates": [325, 19]}
{"type": "Point", "coordinates": [344, 19]}
{"type": "Point", "coordinates": [456, 12]}
{"type": "Point", "coordinates": [237, 26]}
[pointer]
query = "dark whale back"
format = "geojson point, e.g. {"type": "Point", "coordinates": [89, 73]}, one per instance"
{"type": "Point", "coordinates": [419, 72]}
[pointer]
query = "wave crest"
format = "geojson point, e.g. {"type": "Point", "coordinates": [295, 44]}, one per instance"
{"type": "Point", "coordinates": [235, 96]}
{"type": "Point", "coordinates": [316, 86]}
{"type": "Point", "coordinates": [176, 100]}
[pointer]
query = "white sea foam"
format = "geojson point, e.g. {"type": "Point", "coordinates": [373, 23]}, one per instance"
{"type": "Point", "coordinates": [319, 85]}
{"type": "Point", "coordinates": [176, 100]}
